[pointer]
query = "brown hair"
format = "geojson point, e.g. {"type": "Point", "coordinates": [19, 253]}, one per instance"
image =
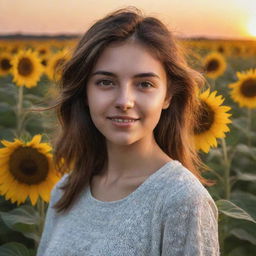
{"type": "Point", "coordinates": [79, 142]}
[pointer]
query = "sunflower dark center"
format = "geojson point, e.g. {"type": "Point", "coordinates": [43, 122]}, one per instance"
{"type": "Point", "coordinates": [44, 62]}
{"type": "Point", "coordinates": [14, 50]}
{"type": "Point", "coordinates": [5, 64]}
{"type": "Point", "coordinates": [25, 67]}
{"type": "Point", "coordinates": [42, 52]}
{"type": "Point", "coordinates": [220, 49]}
{"type": "Point", "coordinates": [205, 118]}
{"type": "Point", "coordinates": [28, 165]}
{"type": "Point", "coordinates": [248, 88]}
{"type": "Point", "coordinates": [212, 65]}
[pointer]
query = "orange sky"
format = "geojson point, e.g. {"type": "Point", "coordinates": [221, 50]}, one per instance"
{"type": "Point", "coordinates": [213, 18]}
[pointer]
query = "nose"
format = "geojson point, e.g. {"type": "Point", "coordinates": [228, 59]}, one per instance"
{"type": "Point", "coordinates": [125, 98]}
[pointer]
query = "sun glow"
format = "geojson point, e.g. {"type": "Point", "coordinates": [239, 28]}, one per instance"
{"type": "Point", "coordinates": [252, 26]}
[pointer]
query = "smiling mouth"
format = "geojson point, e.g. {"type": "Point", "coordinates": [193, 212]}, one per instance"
{"type": "Point", "coordinates": [119, 120]}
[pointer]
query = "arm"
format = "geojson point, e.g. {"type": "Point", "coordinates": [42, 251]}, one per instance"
{"type": "Point", "coordinates": [49, 219]}
{"type": "Point", "coordinates": [48, 224]}
{"type": "Point", "coordinates": [192, 229]}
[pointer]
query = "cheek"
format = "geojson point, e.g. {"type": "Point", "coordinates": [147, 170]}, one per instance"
{"type": "Point", "coordinates": [153, 104]}
{"type": "Point", "coordinates": [153, 109]}
{"type": "Point", "coordinates": [97, 102]}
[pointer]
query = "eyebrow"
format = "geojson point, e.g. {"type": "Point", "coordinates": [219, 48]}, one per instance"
{"type": "Point", "coordinates": [106, 73]}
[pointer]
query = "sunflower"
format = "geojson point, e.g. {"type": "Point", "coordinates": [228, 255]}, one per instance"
{"type": "Point", "coordinates": [43, 49]}
{"type": "Point", "coordinates": [26, 169]}
{"type": "Point", "coordinates": [26, 68]}
{"type": "Point", "coordinates": [212, 121]}
{"type": "Point", "coordinates": [214, 65]}
{"type": "Point", "coordinates": [5, 63]}
{"type": "Point", "coordinates": [44, 60]}
{"type": "Point", "coordinates": [244, 90]}
{"type": "Point", "coordinates": [55, 64]}
{"type": "Point", "coordinates": [221, 49]}
{"type": "Point", "coordinates": [14, 49]}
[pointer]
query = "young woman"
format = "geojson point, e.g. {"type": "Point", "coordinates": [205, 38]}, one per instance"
{"type": "Point", "coordinates": [127, 110]}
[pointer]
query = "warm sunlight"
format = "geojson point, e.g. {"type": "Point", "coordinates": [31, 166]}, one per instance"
{"type": "Point", "coordinates": [252, 26]}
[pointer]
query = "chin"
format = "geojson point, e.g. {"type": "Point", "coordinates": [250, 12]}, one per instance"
{"type": "Point", "coordinates": [121, 141]}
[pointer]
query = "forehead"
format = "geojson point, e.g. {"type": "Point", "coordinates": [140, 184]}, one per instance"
{"type": "Point", "coordinates": [129, 58]}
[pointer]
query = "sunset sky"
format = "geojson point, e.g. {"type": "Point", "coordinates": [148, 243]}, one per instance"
{"type": "Point", "coordinates": [218, 18]}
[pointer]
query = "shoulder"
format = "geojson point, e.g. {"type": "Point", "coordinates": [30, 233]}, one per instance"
{"type": "Point", "coordinates": [182, 189]}
{"type": "Point", "coordinates": [56, 191]}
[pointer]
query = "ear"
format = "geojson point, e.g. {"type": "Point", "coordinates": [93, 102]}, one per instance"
{"type": "Point", "coordinates": [168, 95]}
{"type": "Point", "coordinates": [167, 102]}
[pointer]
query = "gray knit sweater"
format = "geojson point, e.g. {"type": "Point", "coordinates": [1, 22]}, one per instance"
{"type": "Point", "coordinates": [170, 214]}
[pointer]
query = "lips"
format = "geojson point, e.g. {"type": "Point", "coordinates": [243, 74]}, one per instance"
{"type": "Point", "coordinates": [123, 123]}
{"type": "Point", "coordinates": [123, 117]}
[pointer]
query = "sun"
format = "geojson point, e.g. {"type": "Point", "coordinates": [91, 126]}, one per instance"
{"type": "Point", "coordinates": [252, 26]}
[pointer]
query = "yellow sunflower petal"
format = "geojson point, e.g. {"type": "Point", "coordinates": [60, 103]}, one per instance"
{"type": "Point", "coordinates": [35, 140]}
{"type": "Point", "coordinates": [14, 184]}
{"type": "Point", "coordinates": [26, 68]}
{"type": "Point", "coordinates": [11, 145]}
{"type": "Point", "coordinates": [244, 90]}
{"type": "Point", "coordinates": [33, 194]}
{"type": "Point", "coordinates": [215, 127]}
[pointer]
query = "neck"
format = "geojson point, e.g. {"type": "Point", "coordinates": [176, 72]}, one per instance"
{"type": "Point", "coordinates": [133, 160]}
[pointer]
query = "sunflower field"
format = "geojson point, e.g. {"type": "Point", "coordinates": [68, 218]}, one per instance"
{"type": "Point", "coordinates": [225, 137]}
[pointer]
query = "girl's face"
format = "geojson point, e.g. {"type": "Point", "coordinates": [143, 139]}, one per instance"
{"type": "Point", "coordinates": [127, 82]}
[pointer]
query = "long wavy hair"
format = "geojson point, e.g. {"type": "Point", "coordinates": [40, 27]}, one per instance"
{"type": "Point", "coordinates": [78, 143]}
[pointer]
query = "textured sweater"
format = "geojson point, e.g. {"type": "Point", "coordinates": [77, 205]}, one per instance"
{"type": "Point", "coordinates": [170, 213]}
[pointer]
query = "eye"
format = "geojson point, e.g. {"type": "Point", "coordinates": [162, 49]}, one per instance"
{"type": "Point", "coordinates": [146, 84]}
{"type": "Point", "coordinates": [103, 83]}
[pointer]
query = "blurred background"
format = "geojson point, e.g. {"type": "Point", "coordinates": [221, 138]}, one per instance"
{"type": "Point", "coordinates": [37, 38]}
{"type": "Point", "coordinates": [201, 18]}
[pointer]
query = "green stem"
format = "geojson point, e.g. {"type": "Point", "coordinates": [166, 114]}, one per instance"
{"type": "Point", "coordinates": [226, 170]}
{"type": "Point", "coordinates": [19, 111]}
{"type": "Point", "coordinates": [249, 116]}
{"type": "Point", "coordinates": [41, 210]}
{"type": "Point", "coordinates": [223, 232]}
{"type": "Point", "coordinates": [213, 83]}
{"type": "Point", "coordinates": [227, 187]}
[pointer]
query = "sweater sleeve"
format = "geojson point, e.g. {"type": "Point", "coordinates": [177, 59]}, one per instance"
{"type": "Point", "coordinates": [192, 229]}
{"type": "Point", "coordinates": [49, 221]}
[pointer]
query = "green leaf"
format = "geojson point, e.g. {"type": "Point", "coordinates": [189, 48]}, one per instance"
{"type": "Point", "coordinates": [245, 200]}
{"type": "Point", "coordinates": [243, 235]}
{"type": "Point", "coordinates": [7, 95]}
{"type": "Point", "coordinates": [214, 153]}
{"type": "Point", "coordinates": [24, 214]}
{"type": "Point", "coordinates": [33, 98]}
{"type": "Point", "coordinates": [246, 176]}
{"type": "Point", "coordinates": [24, 219]}
{"type": "Point", "coordinates": [240, 123]}
{"type": "Point", "coordinates": [249, 151]}
{"type": "Point", "coordinates": [14, 249]}
{"type": "Point", "coordinates": [239, 251]}
{"type": "Point", "coordinates": [243, 230]}
{"type": "Point", "coordinates": [5, 107]}
{"type": "Point", "coordinates": [230, 209]}
{"type": "Point", "coordinates": [7, 115]}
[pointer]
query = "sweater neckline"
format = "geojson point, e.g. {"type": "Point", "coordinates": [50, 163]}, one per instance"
{"type": "Point", "coordinates": [147, 181]}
